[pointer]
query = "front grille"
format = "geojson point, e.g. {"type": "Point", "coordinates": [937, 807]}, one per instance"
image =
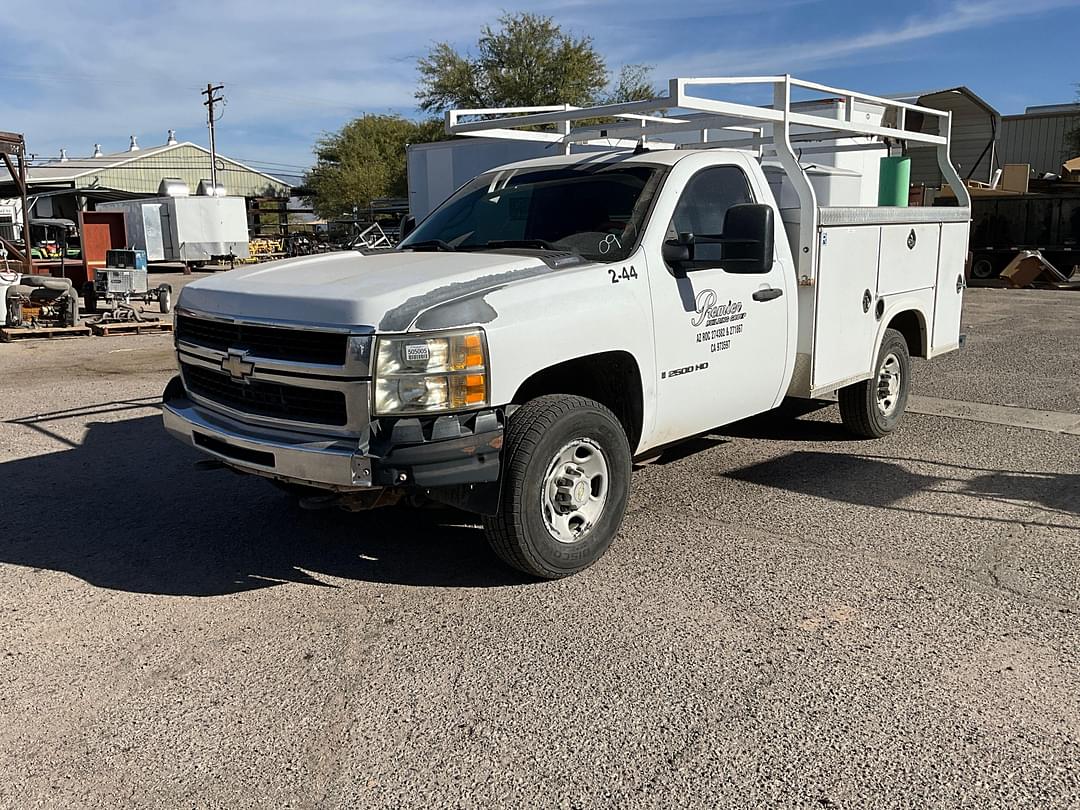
{"type": "Point", "coordinates": [317, 406]}
{"type": "Point", "coordinates": [271, 342]}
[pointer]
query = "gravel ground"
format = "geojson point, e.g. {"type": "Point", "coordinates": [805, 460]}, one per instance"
{"type": "Point", "coordinates": [1022, 350]}
{"type": "Point", "coordinates": [788, 617]}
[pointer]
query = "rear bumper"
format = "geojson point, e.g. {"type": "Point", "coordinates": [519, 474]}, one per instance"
{"type": "Point", "coordinates": [445, 451]}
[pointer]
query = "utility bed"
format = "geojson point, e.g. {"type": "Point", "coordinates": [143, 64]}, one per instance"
{"type": "Point", "coordinates": [825, 146]}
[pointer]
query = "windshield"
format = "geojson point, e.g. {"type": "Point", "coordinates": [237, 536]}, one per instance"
{"type": "Point", "coordinates": [595, 210]}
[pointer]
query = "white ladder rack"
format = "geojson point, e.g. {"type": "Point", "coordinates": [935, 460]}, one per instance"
{"type": "Point", "coordinates": [746, 126]}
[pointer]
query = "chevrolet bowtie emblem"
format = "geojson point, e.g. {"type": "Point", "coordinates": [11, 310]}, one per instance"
{"type": "Point", "coordinates": [237, 364]}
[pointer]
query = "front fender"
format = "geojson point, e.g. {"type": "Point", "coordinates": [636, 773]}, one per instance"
{"type": "Point", "coordinates": [548, 320]}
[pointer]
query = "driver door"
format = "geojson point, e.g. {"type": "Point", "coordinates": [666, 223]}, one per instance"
{"type": "Point", "coordinates": [721, 336]}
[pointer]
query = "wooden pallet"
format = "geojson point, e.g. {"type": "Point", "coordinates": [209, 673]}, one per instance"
{"type": "Point", "coordinates": [9, 333]}
{"type": "Point", "coordinates": [130, 328]}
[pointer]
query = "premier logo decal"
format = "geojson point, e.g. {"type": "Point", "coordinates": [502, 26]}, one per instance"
{"type": "Point", "coordinates": [709, 313]}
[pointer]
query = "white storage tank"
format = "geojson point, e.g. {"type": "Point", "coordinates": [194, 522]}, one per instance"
{"type": "Point", "coordinates": [832, 186]}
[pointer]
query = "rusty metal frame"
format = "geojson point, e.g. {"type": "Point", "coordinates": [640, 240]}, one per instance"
{"type": "Point", "coordinates": [12, 143]}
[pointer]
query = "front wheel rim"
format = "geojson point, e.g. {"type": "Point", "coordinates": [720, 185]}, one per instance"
{"type": "Point", "coordinates": [575, 490]}
{"type": "Point", "coordinates": [889, 385]}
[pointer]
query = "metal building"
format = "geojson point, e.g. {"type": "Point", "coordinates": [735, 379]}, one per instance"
{"type": "Point", "coordinates": [976, 129]}
{"type": "Point", "coordinates": [1039, 137]}
{"type": "Point", "coordinates": [63, 187]}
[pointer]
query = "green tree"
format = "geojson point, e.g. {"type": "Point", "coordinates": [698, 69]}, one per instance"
{"type": "Point", "coordinates": [364, 160]}
{"type": "Point", "coordinates": [633, 83]}
{"type": "Point", "coordinates": [1072, 138]}
{"type": "Point", "coordinates": [528, 60]}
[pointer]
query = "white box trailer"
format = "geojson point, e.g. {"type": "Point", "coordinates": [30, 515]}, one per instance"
{"type": "Point", "coordinates": [436, 170]}
{"type": "Point", "coordinates": [192, 230]}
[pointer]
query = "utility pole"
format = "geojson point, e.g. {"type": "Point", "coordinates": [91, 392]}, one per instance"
{"type": "Point", "coordinates": [212, 99]}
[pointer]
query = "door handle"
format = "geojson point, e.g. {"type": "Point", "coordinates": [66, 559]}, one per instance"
{"type": "Point", "coordinates": [767, 294]}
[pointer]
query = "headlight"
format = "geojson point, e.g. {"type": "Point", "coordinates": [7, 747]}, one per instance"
{"type": "Point", "coordinates": [431, 373]}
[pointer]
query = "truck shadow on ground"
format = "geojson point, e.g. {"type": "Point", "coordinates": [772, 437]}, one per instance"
{"type": "Point", "coordinates": [1043, 498]}
{"type": "Point", "coordinates": [783, 424]}
{"type": "Point", "coordinates": [127, 510]}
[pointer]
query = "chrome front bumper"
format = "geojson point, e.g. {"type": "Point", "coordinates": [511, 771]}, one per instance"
{"type": "Point", "coordinates": [329, 463]}
{"type": "Point", "coordinates": [444, 452]}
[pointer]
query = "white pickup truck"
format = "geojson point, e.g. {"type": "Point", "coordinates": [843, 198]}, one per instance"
{"type": "Point", "coordinates": [556, 319]}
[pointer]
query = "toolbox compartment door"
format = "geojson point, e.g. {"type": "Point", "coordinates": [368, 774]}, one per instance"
{"type": "Point", "coordinates": [845, 330]}
{"type": "Point", "coordinates": [949, 295]}
{"type": "Point", "coordinates": [909, 257]}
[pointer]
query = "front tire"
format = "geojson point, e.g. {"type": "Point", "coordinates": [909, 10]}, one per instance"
{"type": "Point", "coordinates": [566, 479]}
{"type": "Point", "coordinates": [873, 408]}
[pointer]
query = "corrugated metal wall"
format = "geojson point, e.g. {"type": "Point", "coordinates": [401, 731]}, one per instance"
{"type": "Point", "coordinates": [144, 174]}
{"type": "Point", "coordinates": [1038, 139]}
{"type": "Point", "coordinates": [972, 130]}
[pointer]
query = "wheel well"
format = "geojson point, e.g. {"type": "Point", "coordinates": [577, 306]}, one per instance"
{"type": "Point", "coordinates": [610, 378]}
{"type": "Point", "coordinates": [910, 324]}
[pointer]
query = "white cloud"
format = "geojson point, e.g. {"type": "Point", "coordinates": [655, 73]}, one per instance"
{"type": "Point", "coordinates": [794, 56]}
{"type": "Point", "coordinates": [293, 70]}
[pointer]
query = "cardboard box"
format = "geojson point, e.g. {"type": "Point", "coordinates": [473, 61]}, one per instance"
{"type": "Point", "coordinates": [1070, 170]}
{"type": "Point", "coordinates": [1029, 266]}
{"type": "Point", "coordinates": [1015, 177]}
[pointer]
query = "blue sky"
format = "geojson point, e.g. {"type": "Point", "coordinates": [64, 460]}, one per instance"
{"type": "Point", "coordinates": [75, 73]}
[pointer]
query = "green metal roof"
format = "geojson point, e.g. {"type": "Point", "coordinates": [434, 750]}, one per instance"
{"type": "Point", "coordinates": [141, 172]}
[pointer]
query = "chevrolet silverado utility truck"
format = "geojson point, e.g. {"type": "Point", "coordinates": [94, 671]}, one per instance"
{"type": "Point", "coordinates": [558, 318]}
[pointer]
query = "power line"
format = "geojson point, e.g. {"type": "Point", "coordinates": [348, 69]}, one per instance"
{"type": "Point", "coordinates": [83, 163]}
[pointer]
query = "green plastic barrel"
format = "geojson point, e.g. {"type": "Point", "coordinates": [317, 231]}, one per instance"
{"type": "Point", "coordinates": [894, 179]}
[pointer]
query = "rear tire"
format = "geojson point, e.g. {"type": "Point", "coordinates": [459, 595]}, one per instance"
{"type": "Point", "coordinates": [566, 479]}
{"type": "Point", "coordinates": [164, 297]}
{"type": "Point", "coordinates": [873, 408]}
{"type": "Point", "coordinates": [983, 267]}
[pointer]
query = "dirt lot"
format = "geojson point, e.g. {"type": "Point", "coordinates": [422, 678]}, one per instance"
{"type": "Point", "coordinates": [788, 617]}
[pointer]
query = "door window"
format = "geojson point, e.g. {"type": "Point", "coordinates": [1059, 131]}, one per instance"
{"type": "Point", "coordinates": [707, 198]}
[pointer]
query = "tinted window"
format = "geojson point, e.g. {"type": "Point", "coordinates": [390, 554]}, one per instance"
{"type": "Point", "coordinates": [597, 210]}
{"type": "Point", "coordinates": [706, 199]}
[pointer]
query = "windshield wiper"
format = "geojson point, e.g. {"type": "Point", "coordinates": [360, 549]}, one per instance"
{"type": "Point", "coordinates": [429, 244]}
{"type": "Point", "coordinates": [541, 244]}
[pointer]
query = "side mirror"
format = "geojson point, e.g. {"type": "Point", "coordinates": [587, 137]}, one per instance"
{"type": "Point", "coordinates": [407, 226]}
{"type": "Point", "coordinates": [677, 252]}
{"type": "Point", "coordinates": [748, 238]}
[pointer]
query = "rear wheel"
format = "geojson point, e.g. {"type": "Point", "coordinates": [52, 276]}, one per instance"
{"type": "Point", "coordinates": [566, 478]}
{"type": "Point", "coordinates": [873, 408]}
{"type": "Point", "coordinates": [164, 297]}
{"type": "Point", "coordinates": [983, 267]}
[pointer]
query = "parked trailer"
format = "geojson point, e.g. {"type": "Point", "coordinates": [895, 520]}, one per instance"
{"type": "Point", "coordinates": [1003, 226]}
{"type": "Point", "coordinates": [193, 230]}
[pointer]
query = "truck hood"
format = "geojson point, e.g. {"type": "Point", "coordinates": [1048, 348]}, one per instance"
{"type": "Point", "coordinates": [388, 291]}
